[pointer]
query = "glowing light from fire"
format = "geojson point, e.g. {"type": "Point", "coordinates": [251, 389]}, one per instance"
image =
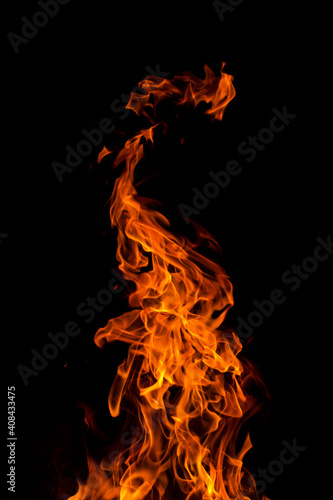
{"type": "Point", "coordinates": [182, 381]}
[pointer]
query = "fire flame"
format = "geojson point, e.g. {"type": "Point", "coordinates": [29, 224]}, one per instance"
{"type": "Point", "coordinates": [182, 380]}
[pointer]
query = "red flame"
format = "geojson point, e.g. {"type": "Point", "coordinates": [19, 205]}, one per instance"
{"type": "Point", "coordinates": [182, 378]}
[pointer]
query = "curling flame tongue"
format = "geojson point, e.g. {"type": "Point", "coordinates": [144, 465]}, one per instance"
{"type": "Point", "coordinates": [182, 378]}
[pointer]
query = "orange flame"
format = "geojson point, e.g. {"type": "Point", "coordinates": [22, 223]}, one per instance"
{"type": "Point", "coordinates": [182, 379]}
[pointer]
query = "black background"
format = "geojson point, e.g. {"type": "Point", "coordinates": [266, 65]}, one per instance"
{"type": "Point", "coordinates": [59, 247]}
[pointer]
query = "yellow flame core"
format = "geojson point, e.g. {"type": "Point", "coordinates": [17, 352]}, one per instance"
{"type": "Point", "coordinates": [182, 376]}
